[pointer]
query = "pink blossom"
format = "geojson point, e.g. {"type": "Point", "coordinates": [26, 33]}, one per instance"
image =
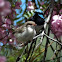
{"type": "Point", "coordinates": [30, 6]}
{"type": "Point", "coordinates": [60, 11]}
{"type": "Point", "coordinates": [2, 3]}
{"type": "Point", "coordinates": [2, 59]}
{"type": "Point", "coordinates": [41, 7]}
{"type": "Point", "coordinates": [54, 12]}
{"type": "Point", "coordinates": [11, 37]}
{"type": "Point", "coordinates": [1, 21]}
{"type": "Point", "coordinates": [7, 23]}
{"type": "Point", "coordinates": [41, 3]}
{"type": "Point", "coordinates": [17, 5]}
{"type": "Point", "coordinates": [29, 3]}
{"type": "Point", "coordinates": [7, 14]}
{"type": "Point", "coordinates": [4, 40]}
{"type": "Point", "coordinates": [55, 17]}
{"type": "Point", "coordinates": [13, 13]}
{"type": "Point", "coordinates": [5, 9]}
{"type": "Point", "coordinates": [2, 33]}
{"type": "Point", "coordinates": [56, 25]}
{"type": "Point", "coordinates": [6, 26]}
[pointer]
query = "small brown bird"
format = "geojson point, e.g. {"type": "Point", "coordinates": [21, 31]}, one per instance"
{"type": "Point", "coordinates": [25, 32]}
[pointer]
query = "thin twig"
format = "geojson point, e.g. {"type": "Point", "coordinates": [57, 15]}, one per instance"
{"type": "Point", "coordinates": [29, 51]}
{"type": "Point", "coordinates": [46, 47]}
{"type": "Point", "coordinates": [53, 39]}
{"type": "Point", "coordinates": [54, 58]}
{"type": "Point", "coordinates": [32, 50]}
{"type": "Point", "coordinates": [20, 56]}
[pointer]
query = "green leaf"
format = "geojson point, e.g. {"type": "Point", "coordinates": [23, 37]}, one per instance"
{"type": "Point", "coordinates": [26, 16]}
{"type": "Point", "coordinates": [32, 12]}
{"type": "Point", "coordinates": [20, 22]}
{"type": "Point", "coordinates": [29, 14]}
{"type": "Point", "coordinates": [16, 18]}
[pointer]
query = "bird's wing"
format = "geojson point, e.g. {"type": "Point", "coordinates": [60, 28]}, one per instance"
{"type": "Point", "coordinates": [20, 29]}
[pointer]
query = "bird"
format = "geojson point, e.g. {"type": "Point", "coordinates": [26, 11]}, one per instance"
{"type": "Point", "coordinates": [39, 19]}
{"type": "Point", "coordinates": [25, 32]}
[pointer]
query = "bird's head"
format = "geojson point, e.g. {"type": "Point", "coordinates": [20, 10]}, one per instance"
{"type": "Point", "coordinates": [32, 23]}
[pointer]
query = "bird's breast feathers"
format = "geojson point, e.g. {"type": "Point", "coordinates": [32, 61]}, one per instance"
{"type": "Point", "coordinates": [26, 35]}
